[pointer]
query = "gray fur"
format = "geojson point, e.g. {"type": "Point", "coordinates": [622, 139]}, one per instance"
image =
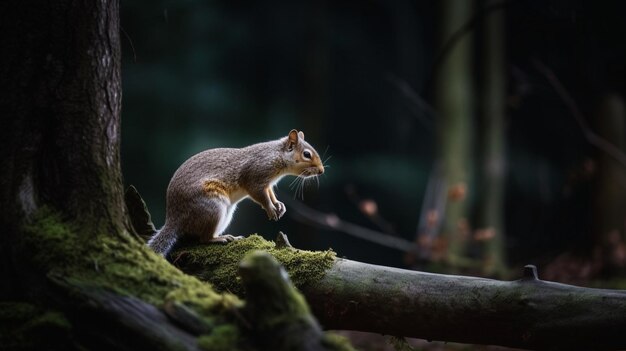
{"type": "Point", "coordinates": [194, 213]}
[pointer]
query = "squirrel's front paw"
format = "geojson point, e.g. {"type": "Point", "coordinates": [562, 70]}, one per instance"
{"type": "Point", "coordinates": [281, 208]}
{"type": "Point", "coordinates": [276, 210]}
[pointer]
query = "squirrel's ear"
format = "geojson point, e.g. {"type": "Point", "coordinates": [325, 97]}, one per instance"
{"type": "Point", "coordinates": [292, 138]}
{"type": "Point", "coordinates": [301, 135]}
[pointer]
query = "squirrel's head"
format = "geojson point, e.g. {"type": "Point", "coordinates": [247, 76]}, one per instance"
{"type": "Point", "coordinates": [302, 158]}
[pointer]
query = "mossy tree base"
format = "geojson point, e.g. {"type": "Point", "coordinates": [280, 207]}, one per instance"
{"type": "Point", "coordinates": [112, 284]}
{"type": "Point", "coordinates": [115, 285]}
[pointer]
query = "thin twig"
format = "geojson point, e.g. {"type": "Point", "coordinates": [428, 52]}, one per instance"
{"type": "Point", "coordinates": [422, 110]}
{"type": "Point", "coordinates": [130, 41]}
{"type": "Point", "coordinates": [304, 213]}
{"type": "Point", "coordinates": [593, 138]}
{"type": "Point", "coordinates": [433, 206]}
{"type": "Point", "coordinates": [373, 216]}
{"type": "Point", "coordinates": [457, 35]}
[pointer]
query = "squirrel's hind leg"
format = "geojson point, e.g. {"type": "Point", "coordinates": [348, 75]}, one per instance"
{"type": "Point", "coordinates": [224, 222]}
{"type": "Point", "coordinates": [220, 213]}
{"type": "Point", "coordinates": [225, 238]}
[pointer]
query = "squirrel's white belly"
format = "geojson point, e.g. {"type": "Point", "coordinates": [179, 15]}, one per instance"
{"type": "Point", "coordinates": [225, 220]}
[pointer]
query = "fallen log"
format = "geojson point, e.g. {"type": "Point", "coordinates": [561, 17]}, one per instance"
{"type": "Point", "coordinates": [527, 313]}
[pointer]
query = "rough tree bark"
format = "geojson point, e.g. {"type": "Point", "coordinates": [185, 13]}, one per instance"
{"type": "Point", "coordinates": [60, 102]}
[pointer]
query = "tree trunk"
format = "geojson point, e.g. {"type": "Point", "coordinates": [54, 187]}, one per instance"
{"type": "Point", "coordinates": [493, 94]}
{"type": "Point", "coordinates": [454, 110]}
{"type": "Point", "coordinates": [61, 198]}
{"type": "Point", "coordinates": [60, 103]}
{"type": "Point", "coordinates": [609, 195]}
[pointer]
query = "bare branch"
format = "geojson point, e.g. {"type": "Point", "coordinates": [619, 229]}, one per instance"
{"type": "Point", "coordinates": [331, 221]}
{"type": "Point", "coordinates": [455, 38]}
{"type": "Point", "coordinates": [422, 110]}
{"type": "Point", "coordinates": [369, 208]}
{"type": "Point", "coordinates": [593, 138]}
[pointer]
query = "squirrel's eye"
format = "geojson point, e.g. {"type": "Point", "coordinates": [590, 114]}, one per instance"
{"type": "Point", "coordinates": [307, 154]}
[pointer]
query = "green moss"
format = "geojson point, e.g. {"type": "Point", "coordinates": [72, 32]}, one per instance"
{"type": "Point", "coordinates": [119, 263]}
{"type": "Point", "coordinates": [273, 299]}
{"type": "Point", "coordinates": [51, 240]}
{"type": "Point", "coordinates": [336, 342]}
{"type": "Point", "coordinates": [115, 262]}
{"type": "Point", "coordinates": [132, 269]}
{"type": "Point", "coordinates": [24, 326]}
{"type": "Point", "coordinates": [222, 338]}
{"type": "Point", "coordinates": [400, 344]}
{"type": "Point", "coordinates": [218, 264]}
{"type": "Point", "coordinates": [16, 311]}
{"type": "Point", "coordinates": [282, 319]}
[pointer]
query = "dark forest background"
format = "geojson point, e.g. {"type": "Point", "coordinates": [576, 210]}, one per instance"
{"type": "Point", "coordinates": [364, 81]}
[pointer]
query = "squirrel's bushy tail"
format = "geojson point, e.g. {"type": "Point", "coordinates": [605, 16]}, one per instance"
{"type": "Point", "coordinates": [163, 240]}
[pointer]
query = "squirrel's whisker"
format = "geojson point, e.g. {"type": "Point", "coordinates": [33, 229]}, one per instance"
{"type": "Point", "coordinates": [294, 181]}
{"type": "Point", "coordinates": [302, 188]}
{"type": "Point", "coordinates": [294, 187]}
{"type": "Point", "coordinates": [298, 185]}
{"type": "Point", "coordinates": [324, 154]}
{"type": "Point", "coordinates": [291, 185]}
{"type": "Point", "coordinates": [297, 193]}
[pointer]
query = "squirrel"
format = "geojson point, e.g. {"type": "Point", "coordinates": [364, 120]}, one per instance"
{"type": "Point", "coordinates": [204, 192]}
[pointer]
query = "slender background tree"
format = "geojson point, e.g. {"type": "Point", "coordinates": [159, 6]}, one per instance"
{"type": "Point", "coordinates": [455, 106]}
